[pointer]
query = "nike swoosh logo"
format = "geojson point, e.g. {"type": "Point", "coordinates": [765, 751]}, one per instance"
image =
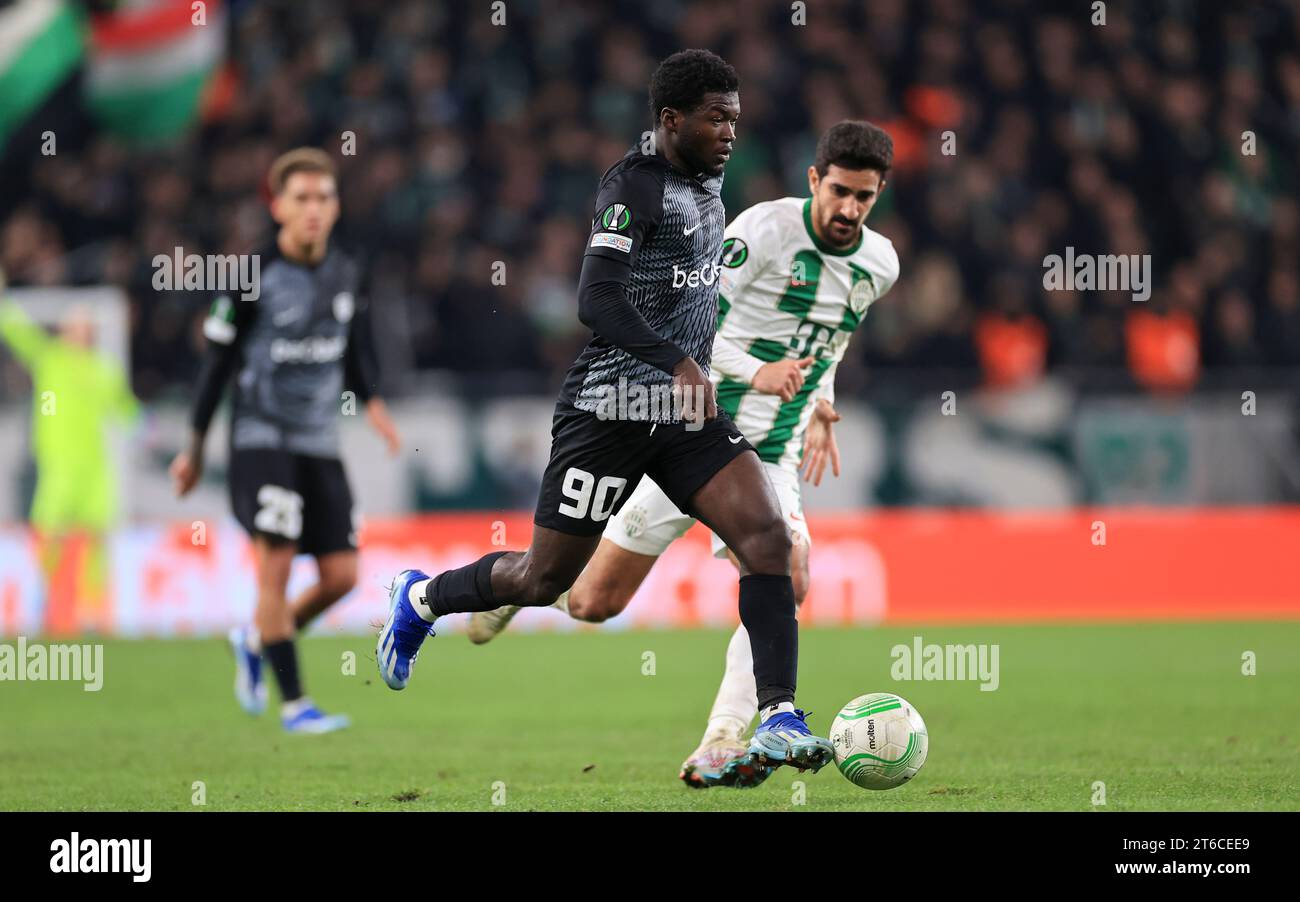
{"type": "Point", "coordinates": [691, 231]}
{"type": "Point", "coordinates": [284, 317]}
{"type": "Point", "coordinates": [736, 439]}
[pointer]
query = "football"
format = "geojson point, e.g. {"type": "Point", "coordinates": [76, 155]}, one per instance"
{"type": "Point", "coordinates": [880, 741]}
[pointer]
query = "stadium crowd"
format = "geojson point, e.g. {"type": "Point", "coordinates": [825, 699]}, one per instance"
{"type": "Point", "coordinates": [479, 143]}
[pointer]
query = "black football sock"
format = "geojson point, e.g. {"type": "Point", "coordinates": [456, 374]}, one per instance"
{"type": "Point", "coordinates": [284, 664]}
{"type": "Point", "coordinates": [467, 588]}
{"type": "Point", "coordinates": [767, 611]}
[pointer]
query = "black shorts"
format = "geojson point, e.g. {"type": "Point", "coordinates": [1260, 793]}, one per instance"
{"type": "Point", "coordinates": [289, 497]}
{"type": "Point", "coordinates": [596, 464]}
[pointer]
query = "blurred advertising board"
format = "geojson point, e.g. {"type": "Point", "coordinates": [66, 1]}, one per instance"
{"type": "Point", "coordinates": [891, 567]}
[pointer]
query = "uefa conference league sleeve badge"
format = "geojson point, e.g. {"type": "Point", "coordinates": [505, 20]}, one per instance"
{"type": "Point", "coordinates": [613, 219]}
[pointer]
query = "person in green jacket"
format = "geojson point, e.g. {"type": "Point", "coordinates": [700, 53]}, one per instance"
{"type": "Point", "coordinates": [78, 393]}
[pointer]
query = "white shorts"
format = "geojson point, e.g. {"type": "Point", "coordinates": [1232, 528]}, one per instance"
{"type": "Point", "coordinates": [649, 522]}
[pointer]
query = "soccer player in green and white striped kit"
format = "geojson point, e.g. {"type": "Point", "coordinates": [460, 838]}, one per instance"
{"type": "Point", "coordinates": [795, 280]}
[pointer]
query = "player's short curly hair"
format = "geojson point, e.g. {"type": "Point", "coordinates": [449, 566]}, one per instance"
{"type": "Point", "coordinates": [682, 80]}
{"type": "Point", "coordinates": [855, 145]}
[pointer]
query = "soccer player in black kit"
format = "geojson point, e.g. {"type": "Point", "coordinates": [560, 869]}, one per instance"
{"type": "Point", "coordinates": [296, 350]}
{"type": "Point", "coordinates": [648, 290]}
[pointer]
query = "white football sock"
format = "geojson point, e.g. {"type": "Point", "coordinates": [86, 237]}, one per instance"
{"type": "Point", "coordinates": [722, 728]}
{"type": "Point", "coordinates": [294, 708]}
{"type": "Point", "coordinates": [737, 699]}
{"type": "Point", "coordinates": [415, 595]}
{"type": "Point", "coordinates": [782, 708]}
{"type": "Point", "coordinates": [253, 640]}
{"type": "Point", "coordinates": [562, 603]}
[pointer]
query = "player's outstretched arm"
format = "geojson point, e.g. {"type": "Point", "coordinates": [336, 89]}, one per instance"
{"type": "Point", "coordinates": [780, 377]}
{"type": "Point", "coordinates": [381, 422]}
{"type": "Point", "coordinates": [360, 371]}
{"type": "Point", "coordinates": [225, 328]}
{"type": "Point", "coordinates": [26, 339]}
{"type": "Point", "coordinates": [750, 248]}
{"type": "Point", "coordinates": [628, 208]}
{"type": "Point", "coordinates": [819, 444]}
{"type": "Point", "coordinates": [693, 392]}
{"type": "Point", "coordinates": [604, 308]}
{"type": "Point", "coordinates": [187, 466]}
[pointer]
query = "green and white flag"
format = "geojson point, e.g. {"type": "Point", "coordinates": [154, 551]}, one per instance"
{"type": "Point", "coordinates": [42, 43]}
{"type": "Point", "coordinates": [149, 64]}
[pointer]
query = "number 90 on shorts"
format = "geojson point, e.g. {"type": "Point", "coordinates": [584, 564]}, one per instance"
{"type": "Point", "coordinates": [593, 461]}
{"type": "Point", "coordinates": [589, 496]}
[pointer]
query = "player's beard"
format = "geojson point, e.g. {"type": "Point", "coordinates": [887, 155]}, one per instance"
{"type": "Point", "coordinates": [852, 231]}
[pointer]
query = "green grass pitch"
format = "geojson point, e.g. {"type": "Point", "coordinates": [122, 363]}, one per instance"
{"type": "Point", "coordinates": [1160, 713]}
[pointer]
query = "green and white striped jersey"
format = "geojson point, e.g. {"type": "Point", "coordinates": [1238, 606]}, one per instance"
{"type": "Point", "coordinates": [783, 292]}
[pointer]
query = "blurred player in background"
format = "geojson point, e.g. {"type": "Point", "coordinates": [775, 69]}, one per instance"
{"type": "Point", "coordinates": [798, 275]}
{"type": "Point", "coordinates": [78, 393]}
{"type": "Point", "coordinates": [649, 291]}
{"type": "Point", "coordinates": [293, 350]}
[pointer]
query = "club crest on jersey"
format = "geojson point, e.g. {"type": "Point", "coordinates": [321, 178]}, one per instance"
{"type": "Point", "coordinates": [861, 294]}
{"type": "Point", "coordinates": [863, 291]}
{"type": "Point", "coordinates": [616, 217]}
{"type": "Point", "coordinates": [344, 306]}
{"type": "Point", "coordinates": [734, 253]}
